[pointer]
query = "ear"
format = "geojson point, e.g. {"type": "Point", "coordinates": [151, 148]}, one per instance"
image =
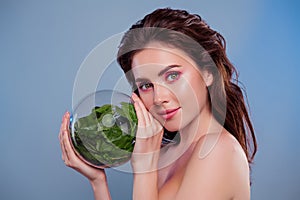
{"type": "Point", "coordinates": [207, 77]}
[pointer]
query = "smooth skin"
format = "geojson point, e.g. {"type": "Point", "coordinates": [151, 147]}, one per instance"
{"type": "Point", "coordinates": [214, 166]}
{"type": "Point", "coordinates": [204, 165]}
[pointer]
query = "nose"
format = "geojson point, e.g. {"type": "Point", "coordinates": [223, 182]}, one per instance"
{"type": "Point", "coordinates": [161, 94]}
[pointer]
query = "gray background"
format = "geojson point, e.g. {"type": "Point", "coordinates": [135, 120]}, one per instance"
{"type": "Point", "coordinates": [43, 43]}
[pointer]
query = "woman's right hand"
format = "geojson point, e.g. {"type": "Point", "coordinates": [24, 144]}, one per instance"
{"type": "Point", "coordinates": [72, 160]}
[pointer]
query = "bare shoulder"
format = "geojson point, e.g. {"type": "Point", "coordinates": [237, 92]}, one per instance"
{"type": "Point", "coordinates": [223, 146]}
{"type": "Point", "coordinates": [218, 163]}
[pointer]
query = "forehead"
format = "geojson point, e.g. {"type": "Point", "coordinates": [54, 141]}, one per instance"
{"type": "Point", "coordinates": [159, 56]}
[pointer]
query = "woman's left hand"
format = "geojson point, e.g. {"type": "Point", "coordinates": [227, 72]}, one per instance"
{"type": "Point", "coordinates": [148, 139]}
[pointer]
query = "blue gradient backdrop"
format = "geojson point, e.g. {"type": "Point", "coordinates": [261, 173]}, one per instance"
{"type": "Point", "coordinates": [43, 43]}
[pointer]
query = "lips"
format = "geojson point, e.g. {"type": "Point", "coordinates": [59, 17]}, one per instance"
{"type": "Point", "coordinates": [169, 113]}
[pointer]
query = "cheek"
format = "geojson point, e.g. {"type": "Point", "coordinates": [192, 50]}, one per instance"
{"type": "Point", "coordinates": [147, 99]}
{"type": "Point", "coordinates": [188, 87]}
{"type": "Point", "coordinates": [191, 92]}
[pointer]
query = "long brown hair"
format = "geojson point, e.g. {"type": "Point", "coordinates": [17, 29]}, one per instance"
{"type": "Point", "coordinates": [227, 99]}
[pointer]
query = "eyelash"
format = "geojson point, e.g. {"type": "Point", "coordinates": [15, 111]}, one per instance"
{"type": "Point", "coordinates": [148, 85]}
{"type": "Point", "coordinates": [172, 73]}
{"type": "Point", "coordinates": [168, 75]}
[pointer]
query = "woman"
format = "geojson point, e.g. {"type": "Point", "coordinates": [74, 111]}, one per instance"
{"type": "Point", "coordinates": [182, 80]}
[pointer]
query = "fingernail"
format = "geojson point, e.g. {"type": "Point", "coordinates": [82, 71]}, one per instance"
{"type": "Point", "coordinates": [134, 95]}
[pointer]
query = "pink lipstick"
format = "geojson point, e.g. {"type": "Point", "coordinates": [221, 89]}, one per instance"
{"type": "Point", "coordinates": [168, 114]}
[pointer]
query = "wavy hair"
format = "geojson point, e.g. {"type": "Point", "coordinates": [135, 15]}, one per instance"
{"type": "Point", "coordinates": [173, 27]}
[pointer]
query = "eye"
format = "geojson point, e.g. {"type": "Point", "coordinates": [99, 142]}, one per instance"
{"type": "Point", "coordinates": [145, 86]}
{"type": "Point", "coordinates": [172, 76]}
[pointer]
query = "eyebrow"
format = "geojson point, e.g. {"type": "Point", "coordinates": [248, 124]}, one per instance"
{"type": "Point", "coordinates": [159, 74]}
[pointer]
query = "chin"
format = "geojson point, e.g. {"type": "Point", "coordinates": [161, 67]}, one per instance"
{"type": "Point", "coordinates": [171, 127]}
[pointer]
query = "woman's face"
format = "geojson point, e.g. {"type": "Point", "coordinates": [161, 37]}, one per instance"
{"type": "Point", "coordinates": [170, 85]}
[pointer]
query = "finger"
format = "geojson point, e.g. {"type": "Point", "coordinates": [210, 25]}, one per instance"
{"type": "Point", "coordinates": [63, 150]}
{"type": "Point", "coordinates": [60, 137]}
{"type": "Point", "coordinates": [142, 126]}
{"type": "Point", "coordinates": [141, 109]}
{"type": "Point", "coordinates": [64, 137]}
{"type": "Point", "coordinates": [66, 121]}
{"type": "Point", "coordinates": [139, 112]}
{"type": "Point", "coordinates": [69, 152]}
{"type": "Point", "coordinates": [62, 126]}
{"type": "Point", "coordinates": [145, 112]}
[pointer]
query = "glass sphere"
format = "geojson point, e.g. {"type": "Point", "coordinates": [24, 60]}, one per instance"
{"type": "Point", "coordinates": [103, 127]}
